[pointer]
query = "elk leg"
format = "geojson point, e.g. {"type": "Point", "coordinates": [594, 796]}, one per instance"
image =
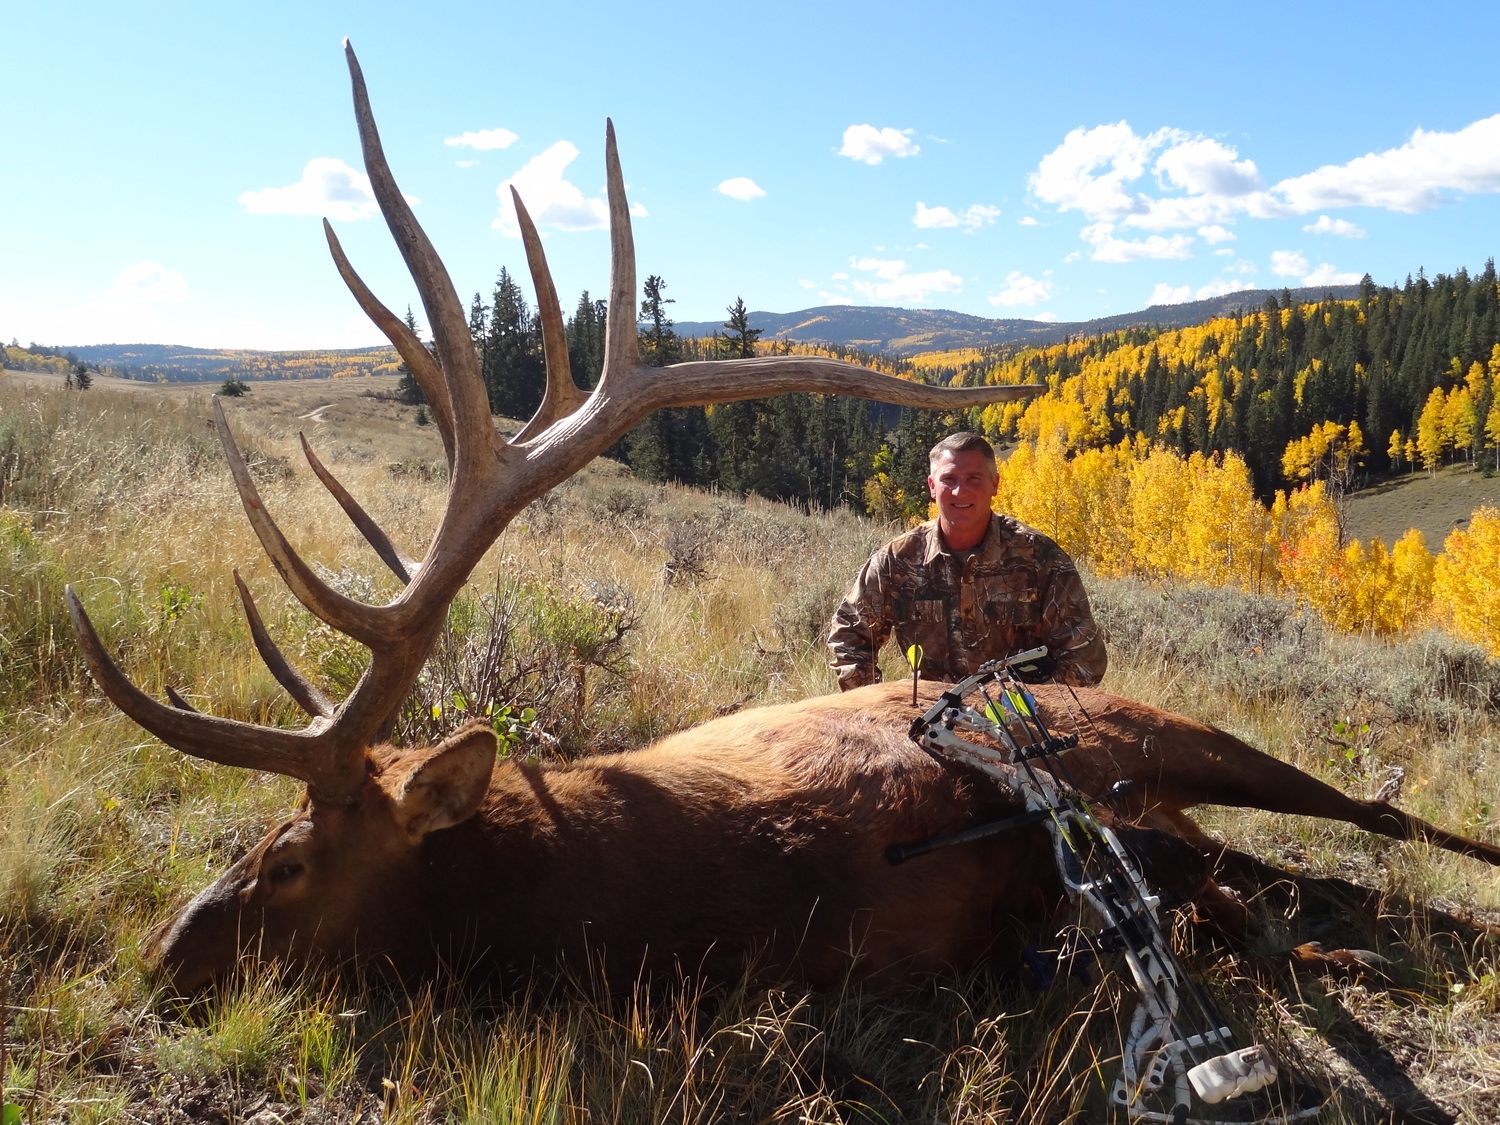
{"type": "Point", "coordinates": [1177, 763]}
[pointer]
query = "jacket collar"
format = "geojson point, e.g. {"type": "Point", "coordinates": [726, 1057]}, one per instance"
{"type": "Point", "coordinates": [934, 547]}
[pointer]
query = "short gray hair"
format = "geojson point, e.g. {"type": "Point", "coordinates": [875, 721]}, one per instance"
{"type": "Point", "coordinates": [962, 442]}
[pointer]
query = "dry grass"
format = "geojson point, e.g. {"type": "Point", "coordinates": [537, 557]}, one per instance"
{"type": "Point", "coordinates": [103, 832]}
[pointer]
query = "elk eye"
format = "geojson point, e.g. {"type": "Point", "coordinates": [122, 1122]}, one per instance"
{"type": "Point", "coordinates": [284, 871]}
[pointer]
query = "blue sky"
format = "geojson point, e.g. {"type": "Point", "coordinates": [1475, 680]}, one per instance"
{"type": "Point", "coordinates": [165, 164]}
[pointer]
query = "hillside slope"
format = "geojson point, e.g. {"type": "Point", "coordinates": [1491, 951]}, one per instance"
{"type": "Point", "coordinates": [908, 331]}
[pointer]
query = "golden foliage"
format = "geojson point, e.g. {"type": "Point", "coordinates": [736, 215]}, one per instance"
{"type": "Point", "coordinates": [1464, 580]}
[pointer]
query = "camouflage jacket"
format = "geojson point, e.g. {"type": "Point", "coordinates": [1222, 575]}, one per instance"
{"type": "Point", "coordinates": [1016, 590]}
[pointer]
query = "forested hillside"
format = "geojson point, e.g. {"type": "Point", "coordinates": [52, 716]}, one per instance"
{"type": "Point", "coordinates": [1412, 368]}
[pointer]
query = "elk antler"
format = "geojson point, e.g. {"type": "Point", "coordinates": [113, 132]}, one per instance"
{"type": "Point", "coordinates": [490, 481]}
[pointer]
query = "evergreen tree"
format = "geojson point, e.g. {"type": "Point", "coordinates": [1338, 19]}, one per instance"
{"type": "Point", "coordinates": [739, 338]}
{"type": "Point", "coordinates": [407, 387]}
{"type": "Point", "coordinates": [659, 343]}
{"type": "Point", "coordinates": [81, 377]}
{"type": "Point", "coordinates": [672, 444]}
{"type": "Point", "coordinates": [586, 332]}
{"type": "Point", "coordinates": [515, 372]}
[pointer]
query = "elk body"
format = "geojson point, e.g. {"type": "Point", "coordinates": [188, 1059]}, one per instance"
{"type": "Point", "coordinates": [761, 833]}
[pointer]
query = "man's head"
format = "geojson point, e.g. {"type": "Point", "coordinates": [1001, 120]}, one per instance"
{"type": "Point", "coordinates": [963, 479]}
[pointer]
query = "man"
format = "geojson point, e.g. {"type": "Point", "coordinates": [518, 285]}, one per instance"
{"type": "Point", "coordinates": [968, 587]}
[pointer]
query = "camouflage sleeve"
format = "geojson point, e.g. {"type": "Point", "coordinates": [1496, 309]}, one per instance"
{"type": "Point", "coordinates": [1072, 638]}
{"type": "Point", "coordinates": [861, 625]}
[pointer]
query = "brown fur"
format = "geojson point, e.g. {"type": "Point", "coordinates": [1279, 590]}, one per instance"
{"type": "Point", "coordinates": [762, 834]}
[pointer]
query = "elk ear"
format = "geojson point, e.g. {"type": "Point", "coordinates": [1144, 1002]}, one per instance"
{"type": "Point", "coordinates": [445, 785]}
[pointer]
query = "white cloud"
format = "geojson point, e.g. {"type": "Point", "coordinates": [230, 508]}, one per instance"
{"type": "Point", "coordinates": [1108, 248]}
{"type": "Point", "coordinates": [1415, 177]}
{"type": "Point", "coordinates": [482, 139]}
{"type": "Point", "coordinates": [1217, 288]}
{"type": "Point", "coordinates": [1203, 166]}
{"type": "Point", "coordinates": [1289, 263]}
{"type": "Point", "coordinates": [1342, 228]}
{"type": "Point", "coordinates": [1073, 257]}
{"type": "Point", "coordinates": [1044, 316]}
{"type": "Point", "coordinates": [807, 284]}
{"type": "Point", "coordinates": [973, 217]}
{"type": "Point", "coordinates": [1243, 266]}
{"type": "Point", "coordinates": [1022, 290]}
{"type": "Point", "coordinates": [1328, 275]}
{"type": "Point", "coordinates": [550, 199]}
{"type": "Point", "coordinates": [1069, 178]}
{"type": "Point", "coordinates": [466, 163]}
{"type": "Point", "coordinates": [328, 187]}
{"type": "Point", "coordinates": [1026, 221]}
{"type": "Point", "coordinates": [1203, 183]}
{"type": "Point", "coordinates": [979, 214]}
{"type": "Point", "coordinates": [1165, 294]}
{"type": "Point", "coordinates": [892, 283]}
{"type": "Point", "coordinates": [742, 188]}
{"type": "Point", "coordinates": [929, 217]}
{"type": "Point", "coordinates": [1213, 235]}
{"type": "Point", "coordinates": [870, 145]}
{"type": "Point", "coordinates": [148, 283]}
{"type": "Point", "coordinates": [1226, 252]}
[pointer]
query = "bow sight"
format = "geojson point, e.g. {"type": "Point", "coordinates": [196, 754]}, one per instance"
{"type": "Point", "coordinates": [1176, 1030]}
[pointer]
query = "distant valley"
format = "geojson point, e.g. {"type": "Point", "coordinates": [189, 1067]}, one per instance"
{"type": "Point", "coordinates": [901, 332]}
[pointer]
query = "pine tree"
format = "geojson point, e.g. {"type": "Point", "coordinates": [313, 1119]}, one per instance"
{"type": "Point", "coordinates": [586, 333]}
{"type": "Point", "coordinates": [739, 337]}
{"type": "Point", "coordinates": [407, 387]}
{"type": "Point", "coordinates": [515, 374]}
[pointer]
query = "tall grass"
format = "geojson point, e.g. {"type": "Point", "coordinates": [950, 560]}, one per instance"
{"type": "Point", "coordinates": [634, 610]}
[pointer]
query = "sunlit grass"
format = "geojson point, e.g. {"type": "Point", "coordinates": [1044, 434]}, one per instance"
{"type": "Point", "coordinates": [104, 833]}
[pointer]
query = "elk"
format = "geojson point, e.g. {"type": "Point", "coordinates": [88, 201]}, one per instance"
{"type": "Point", "coordinates": [764, 832]}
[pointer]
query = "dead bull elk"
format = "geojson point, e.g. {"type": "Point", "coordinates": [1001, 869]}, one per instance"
{"type": "Point", "coordinates": [762, 831]}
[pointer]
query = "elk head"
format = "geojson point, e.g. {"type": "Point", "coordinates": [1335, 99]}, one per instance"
{"type": "Point", "coordinates": [330, 880]}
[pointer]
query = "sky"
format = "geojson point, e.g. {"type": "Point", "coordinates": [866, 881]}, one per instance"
{"type": "Point", "coordinates": [166, 165]}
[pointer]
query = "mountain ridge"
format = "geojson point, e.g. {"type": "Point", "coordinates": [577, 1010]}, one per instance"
{"type": "Point", "coordinates": [907, 332]}
{"type": "Point", "coordinates": [890, 330]}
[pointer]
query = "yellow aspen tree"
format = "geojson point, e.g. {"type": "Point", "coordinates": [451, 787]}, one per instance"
{"type": "Point", "coordinates": [1309, 559]}
{"type": "Point", "coordinates": [1431, 438]}
{"type": "Point", "coordinates": [1492, 425]}
{"type": "Point", "coordinates": [1224, 526]}
{"type": "Point", "coordinates": [1464, 588]}
{"type": "Point", "coordinates": [1411, 452]}
{"type": "Point", "coordinates": [1460, 421]}
{"type": "Point", "coordinates": [1101, 488]}
{"type": "Point", "coordinates": [1363, 580]}
{"type": "Point", "coordinates": [1395, 448]}
{"type": "Point", "coordinates": [1477, 380]}
{"type": "Point", "coordinates": [1410, 595]}
{"type": "Point", "coordinates": [1036, 488]}
{"type": "Point", "coordinates": [1158, 496]}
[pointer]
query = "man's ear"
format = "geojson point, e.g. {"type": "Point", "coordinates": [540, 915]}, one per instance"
{"type": "Point", "coordinates": [445, 785]}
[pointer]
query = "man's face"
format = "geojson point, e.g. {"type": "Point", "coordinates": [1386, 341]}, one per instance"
{"type": "Point", "coordinates": [963, 484]}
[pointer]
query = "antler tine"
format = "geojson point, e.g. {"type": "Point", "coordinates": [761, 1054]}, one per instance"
{"type": "Point", "coordinates": [401, 566]}
{"type": "Point", "coordinates": [308, 697]}
{"type": "Point", "coordinates": [622, 350]}
{"type": "Point", "coordinates": [418, 359]}
{"type": "Point", "coordinates": [473, 429]}
{"type": "Point", "coordinates": [703, 383]}
{"type": "Point", "coordinates": [562, 395]}
{"type": "Point", "coordinates": [331, 777]}
{"type": "Point", "coordinates": [362, 622]}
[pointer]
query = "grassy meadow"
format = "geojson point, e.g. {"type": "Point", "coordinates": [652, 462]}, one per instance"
{"type": "Point", "coordinates": [629, 611]}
